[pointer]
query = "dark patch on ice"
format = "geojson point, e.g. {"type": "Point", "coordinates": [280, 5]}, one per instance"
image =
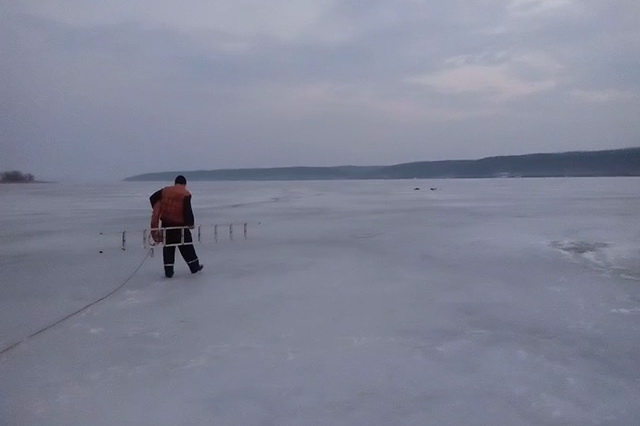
{"type": "Point", "coordinates": [598, 255]}
{"type": "Point", "coordinates": [579, 247]}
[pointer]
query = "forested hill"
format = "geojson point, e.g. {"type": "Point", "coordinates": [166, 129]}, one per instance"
{"type": "Point", "coordinates": [619, 162]}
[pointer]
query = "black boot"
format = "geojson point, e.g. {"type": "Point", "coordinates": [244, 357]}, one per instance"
{"type": "Point", "coordinates": [168, 271]}
{"type": "Point", "coordinates": [196, 268]}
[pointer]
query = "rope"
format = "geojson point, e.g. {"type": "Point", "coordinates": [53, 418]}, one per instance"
{"type": "Point", "coordinates": [50, 326]}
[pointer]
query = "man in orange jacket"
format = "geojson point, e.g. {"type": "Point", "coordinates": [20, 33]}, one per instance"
{"type": "Point", "coordinates": [172, 207]}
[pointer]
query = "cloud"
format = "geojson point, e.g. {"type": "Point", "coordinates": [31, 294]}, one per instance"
{"type": "Point", "coordinates": [279, 19]}
{"type": "Point", "coordinates": [604, 95]}
{"type": "Point", "coordinates": [496, 82]}
{"type": "Point", "coordinates": [248, 82]}
{"type": "Point", "coordinates": [511, 77]}
{"type": "Point", "coordinates": [328, 98]}
{"type": "Point", "coordinates": [528, 8]}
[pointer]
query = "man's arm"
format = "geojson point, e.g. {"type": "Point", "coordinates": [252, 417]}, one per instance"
{"type": "Point", "coordinates": [155, 216]}
{"type": "Point", "coordinates": [189, 220]}
{"type": "Point", "coordinates": [155, 223]}
{"type": "Point", "coordinates": [155, 197]}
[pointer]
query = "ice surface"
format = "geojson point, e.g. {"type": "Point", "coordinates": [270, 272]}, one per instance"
{"type": "Point", "coordinates": [484, 302]}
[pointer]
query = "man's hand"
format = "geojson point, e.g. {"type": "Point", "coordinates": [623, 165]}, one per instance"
{"type": "Point", "coordinates": [157, 236]}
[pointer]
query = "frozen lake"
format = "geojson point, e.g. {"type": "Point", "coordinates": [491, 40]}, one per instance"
{"type": "Point", "coordinates": [484, 302]}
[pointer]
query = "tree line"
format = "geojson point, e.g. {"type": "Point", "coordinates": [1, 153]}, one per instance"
{"type": "Point", "coordinates": [16, 176]}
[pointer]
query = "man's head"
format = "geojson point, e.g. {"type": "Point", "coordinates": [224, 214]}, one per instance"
{"type": "Point", "coordinates": [180, 180]}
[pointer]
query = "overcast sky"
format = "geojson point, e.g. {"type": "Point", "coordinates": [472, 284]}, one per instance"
{"type": "Point", "coordinates": [102, 90]}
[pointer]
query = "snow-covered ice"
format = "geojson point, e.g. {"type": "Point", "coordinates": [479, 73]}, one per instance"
{"type": "Point", "coordinates": [484, 302]}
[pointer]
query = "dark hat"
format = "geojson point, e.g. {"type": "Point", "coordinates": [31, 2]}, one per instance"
{"type": "Point", "coordinates": [180, 180]}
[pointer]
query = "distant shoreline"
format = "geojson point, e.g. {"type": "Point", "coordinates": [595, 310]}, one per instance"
{"type": "Point", "coordinates": [607, 163]}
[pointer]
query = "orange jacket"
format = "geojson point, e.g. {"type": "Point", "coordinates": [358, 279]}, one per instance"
{"type": "Point", "coordinates": [172, 207]}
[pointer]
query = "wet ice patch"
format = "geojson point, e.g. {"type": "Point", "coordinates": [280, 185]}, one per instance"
{"type": "Point", "coordinates": [129, 301]}
{"type": "Point", "coordinates": [619, 259]}
{"type": "Point", "coordinates": [553, 408]}
{"type": "Point", "coordinates": [579, 247]}
{"type": "Point", "coordinates": [196, 362]}
{"type": "Point", "coordinates": [367, 235]}
{"type": "Point", "coordinates": [629, 311]}
{"type": "Point", "coordinates": [593, 252]}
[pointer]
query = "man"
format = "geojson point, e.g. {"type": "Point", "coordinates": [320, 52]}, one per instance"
{"type": "Point", "coordinates": [172, 206]}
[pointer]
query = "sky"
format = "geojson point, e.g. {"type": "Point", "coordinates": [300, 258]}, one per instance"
{"type": "Point", "coordinates": [106, 90]}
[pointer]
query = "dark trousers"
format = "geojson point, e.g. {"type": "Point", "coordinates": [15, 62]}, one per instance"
{"type": "Point", "coordinates": [188, 252]}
